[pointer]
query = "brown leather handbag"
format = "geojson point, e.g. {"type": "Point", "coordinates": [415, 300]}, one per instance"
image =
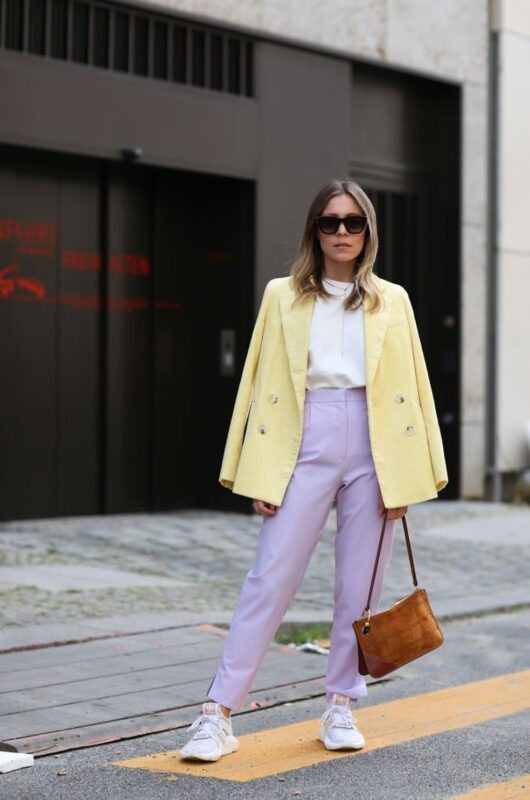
{"type": "Point", "coordinates": [389, 639]}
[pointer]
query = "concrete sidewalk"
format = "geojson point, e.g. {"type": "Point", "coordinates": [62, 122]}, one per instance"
{"type": "Point", "coordinates": [188, 566]}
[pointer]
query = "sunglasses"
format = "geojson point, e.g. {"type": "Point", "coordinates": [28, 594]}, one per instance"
{"type": "Point", "coordinates": [354, 223]}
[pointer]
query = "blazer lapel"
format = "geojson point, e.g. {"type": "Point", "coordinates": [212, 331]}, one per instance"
{"type": "Point", "coordinates": [375, 326]}
{"type": "Point", "coordinates": [296, 323]}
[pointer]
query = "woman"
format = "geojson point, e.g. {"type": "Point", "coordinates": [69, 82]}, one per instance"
{"type": "Point", "coordinates": [334, 406]}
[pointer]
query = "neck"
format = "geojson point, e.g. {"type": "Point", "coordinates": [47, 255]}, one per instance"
{"type": "Point", "coordinates": [339, 272]}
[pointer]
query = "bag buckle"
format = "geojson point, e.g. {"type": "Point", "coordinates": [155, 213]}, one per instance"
{"type": "Point", "coordinates": [366, 626]}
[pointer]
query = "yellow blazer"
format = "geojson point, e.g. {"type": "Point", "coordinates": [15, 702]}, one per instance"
{"type": "Point", "coordinates": [266, 428]}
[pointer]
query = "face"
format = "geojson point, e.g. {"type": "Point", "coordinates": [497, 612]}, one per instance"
{"type": "Point", "coordinates": [341, 247]}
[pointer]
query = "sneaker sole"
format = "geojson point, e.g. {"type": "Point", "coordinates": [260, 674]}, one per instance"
{"type": "Point", "coordinates": [334, 746]}
{"type": "Point", "coordinates": [230, 746]}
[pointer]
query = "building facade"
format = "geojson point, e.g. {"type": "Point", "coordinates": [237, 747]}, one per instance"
{"type": "Point", "coordinates": [509, 286]}
{"type": "Point", "coordinates": [156, 165]}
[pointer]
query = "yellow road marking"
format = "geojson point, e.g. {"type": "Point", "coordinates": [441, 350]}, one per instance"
{"type": "Point", "coordinates": [277, 750]}
{"type": "Point", "coordinates": [516, 789]}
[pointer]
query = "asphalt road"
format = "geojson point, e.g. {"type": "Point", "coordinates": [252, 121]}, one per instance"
{"type": "Point", "coordinates": [435, 767]}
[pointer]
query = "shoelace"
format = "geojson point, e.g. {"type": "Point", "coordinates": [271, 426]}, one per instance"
{"type": "Point", "coordinates": [208, 727]}
{"type": "Point", "coordinates": [343, 717]}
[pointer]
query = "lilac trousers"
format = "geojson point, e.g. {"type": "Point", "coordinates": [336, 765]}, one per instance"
{"type": "Point", "coordinates": [334, 464]}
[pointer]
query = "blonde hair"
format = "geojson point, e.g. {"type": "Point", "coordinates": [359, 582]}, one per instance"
{"type": "Point", "coordinates": [308, 267]}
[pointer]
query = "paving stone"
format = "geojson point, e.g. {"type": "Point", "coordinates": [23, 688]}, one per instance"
{"type": "Point", "coordinates": [190, 564]}
{"type": "Point", "coordinates": [75, 576]}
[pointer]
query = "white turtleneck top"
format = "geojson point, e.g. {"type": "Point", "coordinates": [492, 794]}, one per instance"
{"type": "Point", "coordinates": [336, 341]}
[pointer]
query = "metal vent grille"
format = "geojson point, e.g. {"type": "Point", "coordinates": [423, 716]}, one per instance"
{"type": "Point", "coordinates": [99, 34]}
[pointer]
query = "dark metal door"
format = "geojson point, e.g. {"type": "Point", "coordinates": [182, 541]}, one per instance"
{"type": "Point", "coordinates": [128, 338]}
{"type": "Point", "coordinates": [169, 398]}
{"type": "Point", "coordinates": [125, 312]}
{"type": "Point", "coordinates": [407, 159]}
{"type": "Point", "coordinates": [409, 256]}
{"type": "Point", "coordinates": [204, 238]}
{"type": "Point", "coordinates": [49, 271]}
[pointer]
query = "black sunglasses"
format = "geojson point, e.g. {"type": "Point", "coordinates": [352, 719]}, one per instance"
{"type": "Point", "coordinates": [354, 223]}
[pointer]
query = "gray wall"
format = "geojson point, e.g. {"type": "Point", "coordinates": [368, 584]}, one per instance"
{"type": "Point", "coordinates": [305, 138]}
{"type": "Point", "coordinates": [85, 110]}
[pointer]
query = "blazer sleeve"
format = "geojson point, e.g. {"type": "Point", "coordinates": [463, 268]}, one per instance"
{"type": "Point", "coordinates": [234, 440]}
{"type": "Point", "coordinates": [428, 407]}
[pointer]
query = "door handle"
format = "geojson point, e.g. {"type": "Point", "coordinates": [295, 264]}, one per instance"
{"type": "Point", "coordinates": [227, 354]}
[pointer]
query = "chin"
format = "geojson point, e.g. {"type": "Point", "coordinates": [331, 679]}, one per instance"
{"type": "Point", "coordinates": [348, 255]}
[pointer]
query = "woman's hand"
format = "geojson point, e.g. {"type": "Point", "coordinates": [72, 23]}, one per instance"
{"type": "Point", "coordinates": [393, 513]}
{"type": "Point", "coordinates": [260, 507]}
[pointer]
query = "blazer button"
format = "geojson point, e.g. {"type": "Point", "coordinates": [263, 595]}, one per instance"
{"type": "Point", "coordinates": [410, 430]}
{"type": "Point", "coordinates": [262, 429]}
{"type": "Point", "coordinates": [399, 398]}
{"type": "Point", "coordinates": [273, 398]}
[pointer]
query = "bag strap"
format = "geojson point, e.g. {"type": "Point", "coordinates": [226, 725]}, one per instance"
{"type": "Point", "coordinates": [409, 550]}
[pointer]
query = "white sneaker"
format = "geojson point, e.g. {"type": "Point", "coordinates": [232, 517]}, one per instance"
{"type": "Point", "coordinates": [337, 728]}
{"type": "Point", "coordinates": [213, 737]}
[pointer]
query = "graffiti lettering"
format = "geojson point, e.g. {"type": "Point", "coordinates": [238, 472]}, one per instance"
{"type": "Point", "coordinates": [10, 282]}
{"type": "Point", "coordinates": [123, 263]}
{"type": "Point", "coordinates": [32, 233]}
{"type": "Point", "coordinates": [129, 264]}
{"type": "Point", "coordinates": [81, 260]}
{"type": "Point", "coordinates": [94, 302]}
